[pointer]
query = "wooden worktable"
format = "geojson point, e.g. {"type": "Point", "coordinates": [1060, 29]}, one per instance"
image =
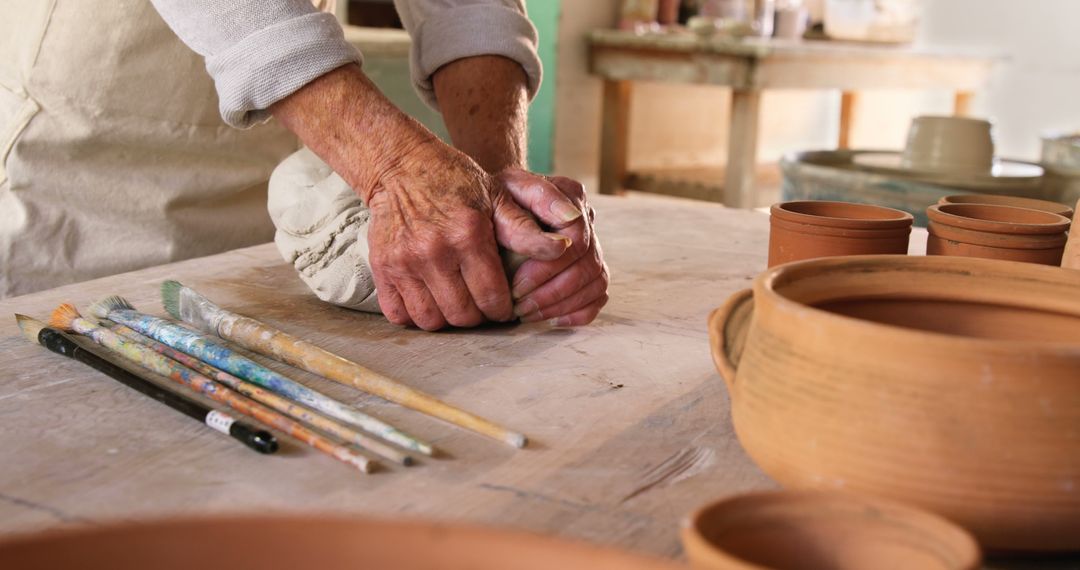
{"type": "Point", "coordinates": [628, 418]}
{"type": "Point", "coordinates": [751, 65]}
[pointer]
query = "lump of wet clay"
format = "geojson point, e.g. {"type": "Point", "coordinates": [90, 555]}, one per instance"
{"type": "Point", "coordinates": [322, 231]}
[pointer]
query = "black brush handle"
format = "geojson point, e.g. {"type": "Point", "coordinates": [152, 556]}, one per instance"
{"type": "Point", "coordinates": [257, 439]}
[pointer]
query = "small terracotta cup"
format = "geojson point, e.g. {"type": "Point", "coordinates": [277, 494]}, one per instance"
{"type": "Point", "coordinates": [949, 144]}
{"type": "Point", "coordinates": [996, 232]}
{"type": "Point", "coordinates": [815, 530]}
{"type": "Point", "coordinates": [1015, 201]}
{"type": "Point", "coordinates": [810, 228]}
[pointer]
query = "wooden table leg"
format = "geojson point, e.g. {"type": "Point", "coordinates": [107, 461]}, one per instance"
{"type": "Point", "coordinates": [614, 136]}
{"type": "Point", "coordinates": [742, 149]}
{"type": "Point", "coordinates": [962, 103]}
{"type": "Point", "coordinates": [848, 100]}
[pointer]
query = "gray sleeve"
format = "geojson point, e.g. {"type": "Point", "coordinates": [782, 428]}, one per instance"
{"type": "Point", "coordinates": [258, 51]}
{"type": "Point", "coordinates": [446, 30]}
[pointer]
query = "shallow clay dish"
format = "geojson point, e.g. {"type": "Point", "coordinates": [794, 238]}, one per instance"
{"type": "Point", "coordinates": [996, 232]}
{"type": "Point", "coordinates": [269, 543]}
{"type": "Point", "coordinates": [822, 530]}
{"type": "Point", "coordinates": [948, 383]}
{"type": "Point", "coordinates": [1015, 201]}
{"type": "Point", "coordinates": [817, 228]}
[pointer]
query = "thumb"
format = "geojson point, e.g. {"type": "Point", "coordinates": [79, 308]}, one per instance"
{"type": "Point", "coordinates": [546, 199]}
{"type": "Point", "coordinates": [517, 230]}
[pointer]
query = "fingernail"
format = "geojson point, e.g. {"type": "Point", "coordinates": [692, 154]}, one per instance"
{"type": "Point", "coordinates": [525, 307]}
{"type": "Point", "coordinates": [565, 211]}
{"type": "Point", "coordinates": [532, 318]}
{"type": "Point", "coordinates": [567, 242]}
{"type": "Point", "coordinates": [560, 322]}
{"type": "Point", "coordinates": [524, 287]}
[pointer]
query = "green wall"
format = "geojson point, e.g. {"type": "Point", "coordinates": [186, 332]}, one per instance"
{"type": "Point", "coordinates": [545, 16]}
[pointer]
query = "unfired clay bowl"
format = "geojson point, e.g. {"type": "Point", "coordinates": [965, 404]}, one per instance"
{"type": "Point", "coordinates": [822, 530]}
{"type": "Point", "coordinates": [949, 383]}
{"type": "Point", "coordinates": [996, 232]}
{"type": "Point", "coordinates": [811, 228]}
{"type": "Point", "coordinates": [268, 543]}
{"type": "Point", "coordinates": [949, 144]}
{"type": "Point", "coordinates": [1015, 201]}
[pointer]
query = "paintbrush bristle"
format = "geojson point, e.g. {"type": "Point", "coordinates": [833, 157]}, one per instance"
{"type": "Point", "coordinates": [29, 327]}
{"type": "Point", "coordinates": [170, 297]}
{"type": "Point", "coordinates": [64, 316]}
{"type": "Point", "coordinates": [102, 308]}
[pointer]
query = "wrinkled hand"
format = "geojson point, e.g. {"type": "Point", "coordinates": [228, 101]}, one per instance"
{"type": "Point", "coordinates": [436, 218]}
{"type": "Point", "coordinates": [571, 289]}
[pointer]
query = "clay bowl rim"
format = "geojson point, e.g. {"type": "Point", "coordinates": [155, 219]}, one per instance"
{"type": "Point", "coordinates": [964, 543]}
{"type": "Point", "coordinates": [164, 524]}
{"type": "Point", "coordinates": [900, 219]}
{"type": "Point", "coordinates": [764, 285]}
{"type": "Point", "coordinates": [955, 119]}
{"type": "Point", "coordinates": [950, 215]}
{"type": "Point", "coordinates": [1001, 199]}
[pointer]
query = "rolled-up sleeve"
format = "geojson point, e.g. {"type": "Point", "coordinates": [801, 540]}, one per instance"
{"type": "Point", "coordinates": [447, 30]}
{"type": "Point", "coordinates": [258, 51]}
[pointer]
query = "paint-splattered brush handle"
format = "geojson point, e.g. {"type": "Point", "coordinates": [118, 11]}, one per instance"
{"type": "Point", "coordinates": [224, 358]}
{"type": "Point", "coordinates": [264, 339]}
{"type": "Point", "coordinates": [269, 398]}
{"type": "Point", "coordinates": [177, 372]}
{"type": "Point", "coordinates": [258, 439]}
{"type": "Point", "coordinates": [220, 356]}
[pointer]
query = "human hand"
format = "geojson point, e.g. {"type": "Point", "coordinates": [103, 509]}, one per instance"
{"type": "Point", "coordinates": [436, 218]}
{"type": "Point", "coordinates": [571, 289]}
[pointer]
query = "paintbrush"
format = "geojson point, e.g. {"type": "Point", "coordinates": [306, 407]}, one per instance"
{"type": "Point", "coordinates": [66, 317]}
{"type": "Point", "coordinates": [220, 356]}
{"type": "Point", "coordinates": [186, 304]}
{"type": "Point", "coordinates": [296, 411]}
{"type": "Point", "coordinates": [258, 439]}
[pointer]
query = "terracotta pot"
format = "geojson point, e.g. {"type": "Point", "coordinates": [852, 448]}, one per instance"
{"type": "Point", "coordinates": [996, 232]}
{"type": "Point", "coordinates": [948, 383]}
{"type": "Point", "coordinates": [822, 530]}
{"type": "Point", "coordinates": [1015, 201]}
{"type": "Point", "coordinates": [811, 228]}
{"type": "Point", "coordinates": [305, 542]}
{"type": "Point", "coordinates": [1071, 258]}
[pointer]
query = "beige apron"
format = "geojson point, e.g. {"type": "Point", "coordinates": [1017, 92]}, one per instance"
{"type": "Point", "coordinates": [113, 155]}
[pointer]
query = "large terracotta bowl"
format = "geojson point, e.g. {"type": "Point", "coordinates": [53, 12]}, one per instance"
{"type": "Point", "coordinates": [948, 383]}
{"type": "Point", "coordinates": [268, 543]}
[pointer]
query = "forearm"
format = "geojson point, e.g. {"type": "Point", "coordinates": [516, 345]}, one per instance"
{"type": "Point", "coordinates": [344, 119]}
{"type": "Point", "coordinates": [484, 103]}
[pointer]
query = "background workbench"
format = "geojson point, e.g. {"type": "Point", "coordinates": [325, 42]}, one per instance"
{"type": "Point", "coordinates": [628, 419]}
{"type": "Point", "coordinates": [749, 66]}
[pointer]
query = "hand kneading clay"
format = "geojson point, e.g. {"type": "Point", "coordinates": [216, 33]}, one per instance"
{"type": "Point", "coordinates": [322, 231]}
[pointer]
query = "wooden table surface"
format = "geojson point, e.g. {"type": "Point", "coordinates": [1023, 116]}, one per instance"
{"type": "Point", "coordinates": [628, 418]}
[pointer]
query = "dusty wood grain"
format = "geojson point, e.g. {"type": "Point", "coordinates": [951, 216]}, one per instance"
{"type": "Point", "coordinates": [628, 417]}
